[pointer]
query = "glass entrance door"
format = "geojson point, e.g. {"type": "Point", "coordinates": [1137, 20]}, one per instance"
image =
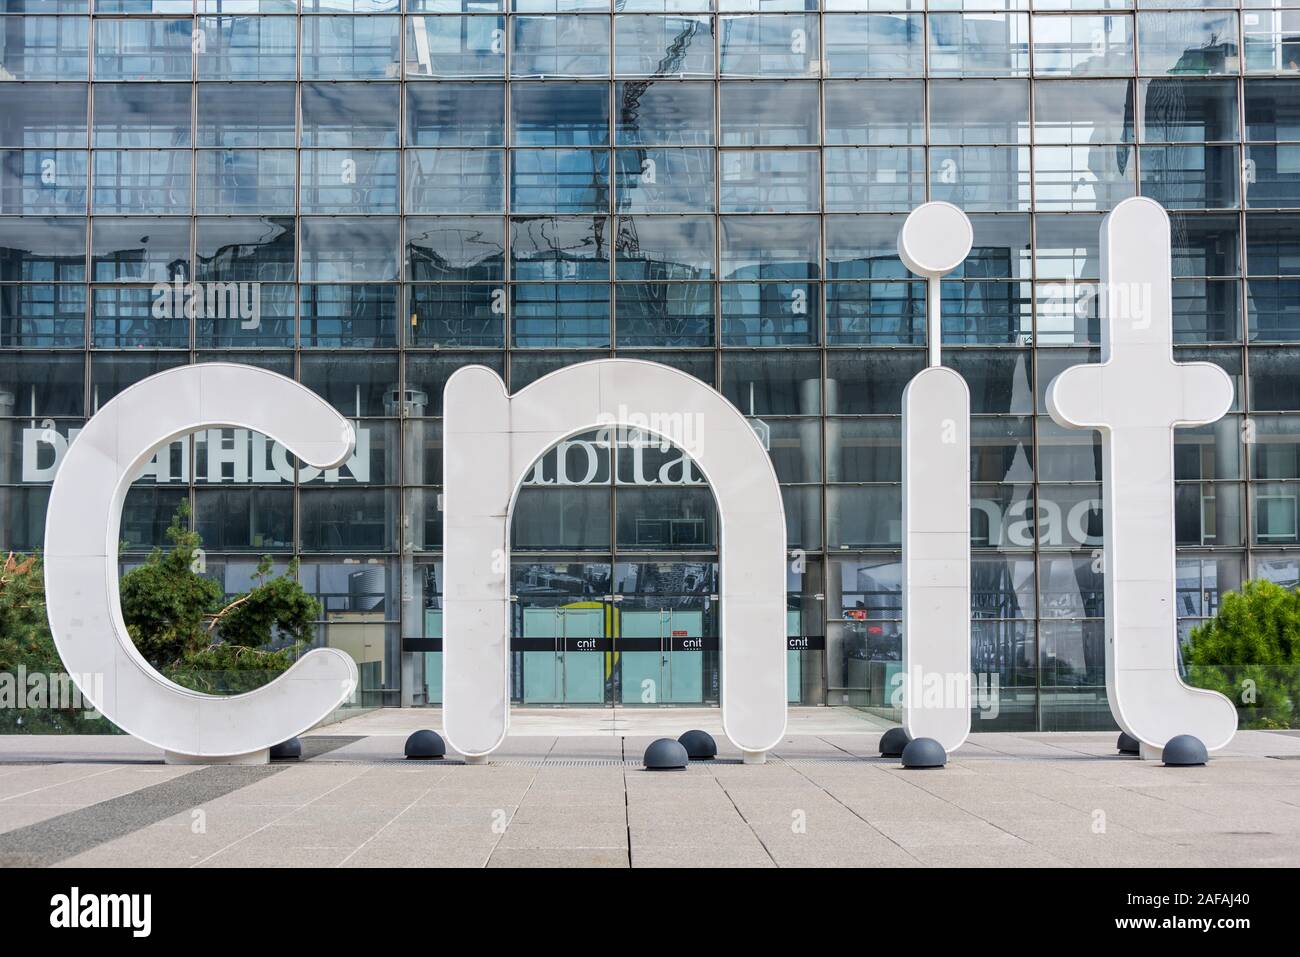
{"type": "Point", "coordinates": [614, 577]}
{"type": "Point", "coordinates": [572, 671]}
{"type": "Point", "coordinates": [661, 656]}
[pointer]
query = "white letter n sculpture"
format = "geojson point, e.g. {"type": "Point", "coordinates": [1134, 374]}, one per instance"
{"type": "Point", "coordinates": [491, 442]}
{"type": "Point", "coordinates": [1135, 397]}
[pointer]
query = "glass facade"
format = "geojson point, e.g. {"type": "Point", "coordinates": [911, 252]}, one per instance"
{"type": "Point", "coordinates": [367, 196]}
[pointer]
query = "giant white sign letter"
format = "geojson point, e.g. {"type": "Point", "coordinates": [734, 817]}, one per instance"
{"type": "Point", "coordinates": [81, 561]}
{"type": "Point", "coordinates": [934, 240]}
{"type": "Point", "coordinates": [1135, 397]}
{"type": "Point", "coordinates": [491, 441]}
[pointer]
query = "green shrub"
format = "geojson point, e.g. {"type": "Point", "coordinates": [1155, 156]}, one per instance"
{"type": "Point", "coordinates": [178, 619]}
{"type": "Point", "coordinates": [1250, 652]}
{"type": "Point", "coordinates": [27, 648]}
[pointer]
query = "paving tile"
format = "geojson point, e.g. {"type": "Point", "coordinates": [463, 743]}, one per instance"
{"type": "Point", "coordinates": [594, 834]}
{"type": "Point", "coordinates": [823, 799]}
{"type": "Point", "coordinates": [918, 832]}
{"type": "Point", "coordinates": [700, 856]}
{"type": "Point", "coordinates": [984, 855]}
{"type": "Point", "coordinates": [559, 857]}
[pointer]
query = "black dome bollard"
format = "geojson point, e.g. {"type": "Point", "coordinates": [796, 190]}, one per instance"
{"type": "Point", "coordinates": [924, 753]}
{"type": "Point", "coordinates": [1184, 751]}
{"type": "Point", "coordinates": [424, 745]}
{"type": "Point", "coordinates": [1127, 744]}
{"type": "Point", "coordinates": [290, 750]}
{"type": "Point", "coordinates": [699, 745]}
{"type": "Point", "coordinates": [892, 743]}
{"type": "Point", "coordinates": [665, 754]}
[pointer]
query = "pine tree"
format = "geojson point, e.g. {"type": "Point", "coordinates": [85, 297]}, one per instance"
{"type": "Point", "coordinates": [1250, 651]}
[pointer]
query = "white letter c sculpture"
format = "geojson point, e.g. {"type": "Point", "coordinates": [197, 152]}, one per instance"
{"type": "Point", "coordinates": [1135, 396]}
{"type": "Point", "coordinates": [81, 561]}
{"type": "Point", "coordinates": [492, 439]}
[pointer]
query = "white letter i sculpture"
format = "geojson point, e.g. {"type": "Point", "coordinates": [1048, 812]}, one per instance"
{"type": "Point", "coordinates": [935, 239]}
{"type": "Point", "coordinates": [1135, 397]}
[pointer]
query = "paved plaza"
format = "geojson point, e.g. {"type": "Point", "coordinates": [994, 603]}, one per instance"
{"type": "Point", "coordinates": [567, 788]}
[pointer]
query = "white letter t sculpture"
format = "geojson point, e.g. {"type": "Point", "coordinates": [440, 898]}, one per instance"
{"type": "Point", "coordinates": [1135, 397]}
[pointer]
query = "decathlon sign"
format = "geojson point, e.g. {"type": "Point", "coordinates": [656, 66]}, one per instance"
{"type": "Point", "coordinates": [1135, 397]}
{"type": "Point", "coordinates": [232, 456]}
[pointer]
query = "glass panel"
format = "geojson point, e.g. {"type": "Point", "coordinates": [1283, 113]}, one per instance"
{"type": "Point", "coordinates": [1191, 176]}
{"type": "Point", "coordinates": [557, 248]}
{"type": "Point", "coordinates": [875, 313]}
{"type": "Point", "coordinates": [780, 113]}
{"type": "Point", "coordinates": [564, 315]}
{"type": "Point", "coordinates": [460, 249]}
{"type": "Point", "coordinates": [350, 47]}
{"type": "Point", "coordinates": [43, 114]}
{"type": "Point", "coordinates": [1083, 177]}
{"type": "Point", "coordinates": [1272, 110]}
{"type": "Point", "coordinates": [257, 249]}
{"type": "Point", "coordinates": [1272, 176]}
{"type": "Point", "coordinates": [225, 120]}
{"type": "Point", "coordinates": [559, 181]}
{"type": "Point", "coordinates": [455, 46]}
{"type": "Point", "coordinates": [357, 384]}
{"type": "Point", "coordinates": [664, 248]}
{"type": "Point", "coordinates": [773, 181]}
{"type": "Point", "coordinates": [979, 44]}
{"type": "Point", "coordinates": [664, 180]}
{"type": "Point", "coordinates": [1083, 112]}
{"type": "Point", "coordinates": [140, 250]}
{"type": "Point", "coordinates": [654, 519]}
{"type": "Point", "coordinates": [874, 113]}
{"type": "Point", "coordinates": [678, 314]}
{"type": "Point", "coordinates": [769, 46]}
{"type": "Point", "coordinates": [125, 318]}
{"type": "Point", "coordinates": [1091, 45]}
{"type": "Point", "coordinates": [455, 181]}
{"type": "Point", "coordinates": [1197, 43]}
{"type": "Point", "coordinates": [39, 315]}
{"type": "Point", "coordinates": [967, 112]}
{"type": "Point", "coordinates": [132, 114]}
{"type": "Point", "coordinates": [869, 382]}
{"type": "Point", "coordinates": [43, 181]}
{"type": "Point", "coordinates": [50, 249]}
{"type": "Point", "coordinates": [770, 314]}
{"type": "Point", "coordinates": [1195, 111]}
{"type": "Point", "coordinates": [663, 45]}
{"type": "Point", "coordinates": [770, 247]}
{"type": "Point", "coordinates": [560, 46]}
{"type": "Point", "coordinates": [141, 181]}
{"type": "Point", "coordinates": [246, 181]}
{"type": "Point", "coordinates": [455, 114]}
{"type": "Point", "coordinates": [139, 49]}
{"type": "Point", "coordinates": [44, 48]}
{"type": "Point", "coordinates": [348, 249]}
{"type": "Point", "coordinates": [343, 317]}
{"type": "Point", "coordinates": [350, 114]}
{"type": "Point", "coordinates": [559, 114]}
{"type": "Point", "coordinates": [455, 314]}
{"type": "Point", "coordinates": [980, 178]}
{"type": "Point", "coordinates": [247, 48]}
{"type": "Point", "coordinates": [663, 113]}
{"type": "Point", "coordinates": [1271, 44]}
{"type": "Point", "coordinates": [887, 44]}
